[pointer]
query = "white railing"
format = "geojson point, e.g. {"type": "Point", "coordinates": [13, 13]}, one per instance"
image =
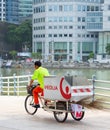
{"type": "Point", "coordinates": [16, 85]}
{"type": "Point", "coordinates": [102, 91]}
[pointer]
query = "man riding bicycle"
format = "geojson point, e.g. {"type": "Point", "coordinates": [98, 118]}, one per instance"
{"type": "Point", "coordinates": [38, 75]}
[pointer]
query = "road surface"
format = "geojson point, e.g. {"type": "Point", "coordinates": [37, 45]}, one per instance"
{"type": "Point", "coordinates": [14, 117]}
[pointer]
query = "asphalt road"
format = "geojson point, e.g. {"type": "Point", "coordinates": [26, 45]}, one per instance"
{"type": "Point", "coordinates": [14, 117]}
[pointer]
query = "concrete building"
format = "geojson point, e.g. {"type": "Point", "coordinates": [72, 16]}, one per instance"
{"type": "Point", "coordinates": [104, 34]}
{"type": "Point", "coordinates": [62, 30]}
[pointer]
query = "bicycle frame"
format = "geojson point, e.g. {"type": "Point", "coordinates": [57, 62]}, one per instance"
{"type": "Point", "coordinates": [54, 105]}
{"type": "Point", "coordinates": [60, 109]}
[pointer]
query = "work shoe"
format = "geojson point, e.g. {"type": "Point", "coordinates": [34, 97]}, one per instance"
{"type": "Point", "coordinates": [36, 105]}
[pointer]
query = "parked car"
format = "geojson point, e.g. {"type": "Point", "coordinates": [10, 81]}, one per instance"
{"type": "Point", "coordinates": [103, 61]}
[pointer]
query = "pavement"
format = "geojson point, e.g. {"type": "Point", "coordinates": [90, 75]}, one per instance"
{"type": "Point", "coordinates": [14, 117]}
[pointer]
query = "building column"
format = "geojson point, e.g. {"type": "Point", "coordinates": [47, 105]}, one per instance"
{"type": "Point", "coordinates": [80, 50]}
{"type": "Point", "coordinates": [68, 55]}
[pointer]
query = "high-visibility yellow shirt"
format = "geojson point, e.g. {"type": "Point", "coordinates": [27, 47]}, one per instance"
{"type": "Point", "coordinates": [39, 75]}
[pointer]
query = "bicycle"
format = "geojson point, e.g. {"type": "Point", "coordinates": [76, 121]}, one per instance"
{"type": "Point", "coordinates": [60, 109]}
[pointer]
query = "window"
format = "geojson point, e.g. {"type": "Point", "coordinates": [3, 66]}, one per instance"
{"type": "Point", "coordinates": [70, 19]}
{"type": "Point", "coordinates": [60, 35]}
{"type": "Point", "coordinates": [55, 8]}
{"type": "Point", "coordinates": [109, 18]}
{"type": "Point", "coordinates": [87, 35]}
{"type": "Point", "coordinates": [65, 19]}
{"type": "Point", "coordinates": [55, 35]}
{"type": "Point", "coordinates": [70, 27]}
{"type": "Point", "coordinates": [79, 7]}
{"type": "Point", "coordinates": [65, 8]}
{"type": "Point", "coordinates": [87, 47]}
{"type": "Point", "coordinates": [60, 8]}
{"type": "Point", "coordinates": [65, 27]}
{"type": "Point", "coordinates": [79, 19]}
{"type": "Point", "coordinates": [83, 19]}
{"type": "Point", "coordinates": [79, 27]}
{"type": "Point", "coordinates": [70, 35]}
{"type": "Point", "coordinates": [83, 27]}
{"type": "Point", "coordinates": [108, 7]}
{"type": "Point", "coordinates": [92, 35]}
{"type": "Point", "coordinates": [83, 8]}
{"type": "Point", "coordinates": [50, 27]}
{"type": "Point", "coordinates": [50, 8]}
{"type": "Point", "coordinates": [55, 19]}
{"type": "Point", "coordinates": [79, 35]}
{"type": "Point", "coordinates": [50, 35]}
{"type": "Point", "coordinates": [92, 8]}
{"type": "Point", "coordinates": [88, 8]}
{"type": "Point", "coordinates": [65, 35]}
{"type": "Point", "coordinates": [60, 19]}
{"type": "Point", "coordinates": [60, 27]}
{"type": "Point", "coordinates": [55, 27]}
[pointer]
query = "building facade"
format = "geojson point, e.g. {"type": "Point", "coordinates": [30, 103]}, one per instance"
{"type": "Point", "coordinates": [66, 30]}
{"type": "Point", "coordinates": [15, 11]}
{"type": "Point", "coordinates": [25, 10]}
{"type": "Point", "coordinates": [104, 34]}
{"type": "Point", "coordinates": [12, 11]}
{"type": "Point", "coordinates": [2, 10]}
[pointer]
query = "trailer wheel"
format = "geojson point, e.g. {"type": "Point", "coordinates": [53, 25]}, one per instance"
{"type": "Point", "coordinates": [78, 118]}
{"type": "Point", "coordinates": [60, 116]}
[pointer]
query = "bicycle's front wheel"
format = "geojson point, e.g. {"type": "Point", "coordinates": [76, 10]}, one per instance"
{"type": "Point", "coordinates": [29, 101]}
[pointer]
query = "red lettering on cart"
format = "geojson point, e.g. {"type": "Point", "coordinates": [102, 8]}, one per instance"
{"type": "Point", "coordinates": [50, 87]}
{"type": "Point", "coordinates": [78, 114]}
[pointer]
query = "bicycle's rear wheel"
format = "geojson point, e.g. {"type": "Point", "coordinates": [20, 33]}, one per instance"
{"type": "Point", "coordinates": [29, 101]}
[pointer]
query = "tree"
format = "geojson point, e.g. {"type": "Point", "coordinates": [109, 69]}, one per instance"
{"type": "Point", "coordinates": [36, 55]}
{"type": "Point", "coordinates": [108, 49]}
{"type": "Point", "coordinates": [20, 35]}
{"type": "Point", "coordinates": [11, 35]}
{"type": "Point", "coordinates": [13, 53]}
{"type": "Point", "coordinates": [91, 55]}
{"type": "Point", "coordinates": [24, 33]}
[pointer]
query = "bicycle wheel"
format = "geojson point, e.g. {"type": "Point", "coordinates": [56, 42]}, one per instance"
{"type": "Point", "coordinates": [60, 116]}
{"type": "Point", "coordinates": [28, 105]}
{"type": "Point", "coordinates": [81, 115]}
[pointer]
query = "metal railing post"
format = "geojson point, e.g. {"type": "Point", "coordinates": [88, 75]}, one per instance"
{"type": "Point", "coordinates": [29, 77]}
{"type": "Point", "coordinates": [14, 81]}
{"type": "Point", "coordinates": [1, 85]}
{"type": "Point", "coordinates": [93, 81]}
{"type": "Point", "coordinates": [18, 86]}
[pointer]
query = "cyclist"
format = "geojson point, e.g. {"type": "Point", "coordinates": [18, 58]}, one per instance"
{"type": "Point", "coordinates": [38, 75]}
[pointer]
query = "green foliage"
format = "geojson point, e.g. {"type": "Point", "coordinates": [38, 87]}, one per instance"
{"type": "Point", "coordinates": [20, 35]}
{"type": "Point", "coordinates": [36, 55]}
{"type": "Point", "coordinates": [91, 55]}
{"type": "Point", "coordinates": [13, 53]}
{"type": "Point", "coordinates": [108, 49]}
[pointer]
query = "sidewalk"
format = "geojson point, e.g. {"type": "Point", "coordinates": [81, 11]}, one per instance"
{"type": "Point", "coordinates": [14, 117]}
